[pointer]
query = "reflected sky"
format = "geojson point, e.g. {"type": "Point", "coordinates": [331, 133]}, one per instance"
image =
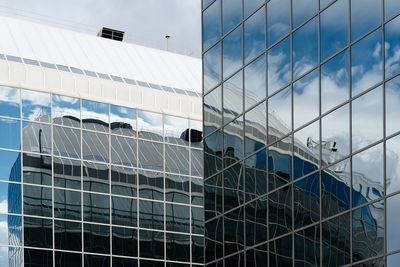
{"type": "Point", "coordinates": [361, 24]}
{"type": "Point", "coordinates": [35, 106]}
{"type": "Point", "coordinates": [302, 10]}
{"type": "Point", "coordinates": [278, 20]}
{"type": "Point", "coordinates": [9, 102]}
{"type": "Point", "coordinates": [232, 52]}
{"type": "Point", "coordinates": [211, 24]}
{"type": "Point", "coordinates": [149, 122]}
{"type": "Point", "coordinates": [66, 106]}
{"type": "Point", "coordinates": [279, 66]}
{"type": "Point", "coordinates": [254, 35]}
{"type": "Point", "coordinates": [255, 82]}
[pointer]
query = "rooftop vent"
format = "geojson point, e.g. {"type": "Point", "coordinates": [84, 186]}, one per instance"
{"type": "Point", "coordinates": [111, 34]}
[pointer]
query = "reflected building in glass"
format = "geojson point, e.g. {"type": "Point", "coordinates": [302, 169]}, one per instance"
{"type": "Point", "coordinates": [301, 132]}
{"type": "Point", "coordinates": [101, 152]}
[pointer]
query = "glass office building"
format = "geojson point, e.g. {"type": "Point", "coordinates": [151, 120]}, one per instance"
{"type": "Point", "coordinates": [301, 132]}
{"type": "Point", "coordinates": [86, 181]}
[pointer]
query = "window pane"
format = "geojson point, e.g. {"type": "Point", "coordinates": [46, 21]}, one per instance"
{"type": "Point", "coordinates": [392, 49]}
{"type": "Point", "coordinates": [123, 120]}
{"type": "Point", "coordinates": [213, 154]}
{"type": "Point", "coordinates": [175, 129]}
{"type": "Point", "coordinates": [279, 66]}
{"type": "Point", "coordinates": [35, 106]}
{"type": "Point", "coordinates": [234, 231]}
{"type": "Point", "coordinates": [10, 166]}
{"type": "Point", "coordinates": [278, 20]}
{"type": "Point", "coordinates": [10, 102]}
{"type": "Point", "coordinates": [96, 208]}
{"type": "Point", "coordinates": [212, 111]}
{"type": "Point", "coordinates": [177, 218]}
{"type": "Point", "coordinates": [392, 223]}
{"type": "Point", "coordinates": [231, 14]}
{"type": "Point", "coordinates": [334, 28]}
{"type": "Point", "coordinates": [212, 67]}
{"type": "Point", "coordinates": [251, 5]}
{"type": "Point", "coordinates": [177, 159]}
{"type": "Point", "coordinates": [232, 52]}
{"type": "Point", "coordinates": [392, 7]}
{"type": "Point", "coordinates": [305, 47]}
{"type": "Point", "coordinates": [255, 128]}
{"type": "Point", "coordinates": [233, 141]}
{"type": "Point", "coordinates": [96, 238]}
{"type": "Point", "coordinates": [151, 155]}
{"type": "Point", "coordinates": [366, 62]}
{"type": "Point", "coordinates": [233, 186]}
{"type": "Point", "coordinates": [256, 175]}
{"type": "Point", "coordinates": [280, 163]}
{"type": "Point", "coordinates": [392, 163]}
{"type": "Point", "coordinates": [67, 204]}
{"type": "Point", "coordinates": [196, 160]}
{"type": "Point", "coordinates": [125, 242]}
{"type": "Point", "coordinates": [151, 246]}
{"type": "Point", "coordinates": [36, 137]}
{"type": "Point", "coordinates": [94, 116]}
{"type": "Point", "coordinates": [255, 82]}
{"type": "Point", "coordinates": [123, 181]}
{"type": "Point", "coordinates": [178, 248]}
{"type": "Point", "coordinates": [36, 257]}
{"type": "Point", "coordinates": [37, 169]}
{"type": "Point", "coordinates": [361, 24]}
{"type": "Point", "coordinates": [211, 24]}
{"type": "Point", "coordinates": [280, 212]}
{"type": "Point", "coordinates": [124, 211]}
{"type": "Point", "coordinates": [151, 185]}
{"type": "Point", "coordinates": [10, 134]}
{"type": "Point", "coordinates": [66, 111]}
{"type": "Point", "coordinates": [254, 35]}
{"type": "Point", "coordinates": [95, 146]}
{"type": "Point", "coordinates": [67, 173]}
{"type": "Point", "coordinates": [177, 188]}
{"type": "Point", "coordinates": [65, 259]}
{"type": "Point", "coordinates": [151, 214]}
{"type": "Point", "coordinates": [306, 201]}
{"type": "Point", "coordinates": [66, 142]}
{"type": "Point", "coordinates": [37, 201]}
{"type": "Point", "coordinates": [68, 235]}
{"type": "Point", "coordinates": [12, 230]}
{"type": "Point", "coordinates": [150, 125]}
{"type": "Point", "coordinates": [38, 232]}
{"type": "Point", "coordinates": [123, 151]}
{"type": "Point", "coordinates": [96, 177]}
{"type": "Point", "coordinates": [302, 10]}
{"type": "Point", "coordinates": [279, 114]}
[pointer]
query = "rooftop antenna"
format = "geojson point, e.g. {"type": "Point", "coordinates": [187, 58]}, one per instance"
{"type": "Point", "coordinates": [167, 36]}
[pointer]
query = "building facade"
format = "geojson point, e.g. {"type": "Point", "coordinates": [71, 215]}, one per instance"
{"type": "Point", "coordinates": [301, 132]}
{"type": "Point", "coordinates": [101, 151]}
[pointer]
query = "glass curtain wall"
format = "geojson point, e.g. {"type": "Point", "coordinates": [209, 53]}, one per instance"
{"type": "Point", "coordinates": [85, 183]}
{"type": "Point", "coordinates": [301, 132]}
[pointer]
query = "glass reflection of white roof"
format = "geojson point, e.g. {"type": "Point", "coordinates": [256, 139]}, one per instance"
{"type": "Point", "coordinates": [90, 53]}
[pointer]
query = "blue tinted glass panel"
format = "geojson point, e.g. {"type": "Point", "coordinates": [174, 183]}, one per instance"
{"type": "Point", "coordinates": [35, 106]}
{"type": "Point", "coordinates": [10, 166]}
{"type": "Point", "coordinates": [392, 92]}
{"type": "Point", "coordinates": [302, 10]}
{"type": "Point", "coordinates": [255, 82]}
{"type": "Point", "coordinates": [278, 20]}
{"type": "Point", "coordinates": [212, 111]}
{"type": "Point", "coordinates": [94, 115]}
{"type": "Point", "coordinates": [9, 102]}
{"type": "Point", "coordinates": [232, 52]}
{"type": "Point", "coordinates": [123, 120]}
{"type": "Point", "coordinates": [361, 24]}
{"type": "Point", "coordinates": [10, 134]}
{"type": "Point", "coordinates": [231, 14]}
{"type": "Point", "coordinates": [66, 111]}
{"type": "Point", "coordinates": [211, 24]}
{"type": "Point", "coordinates": [150, 125]}
{"type": "Point", "coordinates": [254, 35]}
{"type": "Point", "coordinates": [392, 7]}
{"type": "Point", "coordinates": [279, 66]}
{"type": "Point", "coordinates": [212, 68]}
{"type": "Point", "coordinates": [392, 46]}
{"type": "Point", "coordinates": [250, 6]}
{"type": "Point", "coordinates": [233, 97]}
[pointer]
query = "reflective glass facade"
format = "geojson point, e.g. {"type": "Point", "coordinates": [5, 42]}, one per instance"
{"type": "Point", "coordinates": [301, 132]}
{"type": "Point", "coordinates": [85, 183]}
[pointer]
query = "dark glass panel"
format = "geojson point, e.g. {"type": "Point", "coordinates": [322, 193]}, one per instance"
{"type": "Point", "coordinates": [214, 239]}
{"type": "Point", "coordinates": [233, 187]}
{"type": "Point", "coordinates": [254, 35]}
{"type": "Point", "coordinates": [232, 51]}
{"type": "Point", "coordinates": [280, 212]}
{"type": "Point", "coordinates": [233, 141]}
{"type": "Point", "coordinates": [368, 231]}
{"type": "Point", "coordinates": [151, 214]}
{"type": "Point", "coordinates": [177, 218]}
{"type": "Point", "coordinates": [97, 260]}
{"type": "Point", "coordinates": [366, 62]}
{"type": "Point", "coordinates": [96, 177]}
{"type": "Point", "coordinates": [279, 163]}
{"type": "Point", "coordinates": [125, 241]}
{"type": "Point", "coordinates": [234, 231]}
{"type": "Point", "coordinates": [10, 102]}
{"type": "Point", "coordinates": [212, 67]}
{"type": "Point", "coordinates": [231, 14]}
{"type": "Point", "coordinates": [335, 81]}
{"type": "Point", "coordinates": [66, 142]}
{"type": "Point", "coordinates": [212, 110]}
{"type": "Point", "coordinates": [96, 238]}
{"type": "Point", "coordinates": [196, 133]}
{"type": "Point", "coordinates": [336, 241]}
{"type": "Point", "coordinates": [10, 166]}
{"type": "Point", "coordinates": [94, 115]}
{"type": "Point", "coordinates": [257, 256]}
{"type": "Point", "coordinates": [361, 24]}
{"type": "Point", "coordinates": [124, 262]}
{"type": "Point", "coordinates": [307, 247]}
{"type": "Point", "coordinates": [177, 159]}
{"type": "Point", "coordinates": [255, 83]}
{"type": "Point", "coordinates": [196, 162]}
{"type": "Point", "coordinates": [95, 146]}
{"type": "Point", "coordinates": [37, 169]}
{"type": "Point", "coordinates": [67, 204]}
{"type": "Point", "coordinates": [334, 28]}
{"type": "Point", "coordinates": [151, 244]}
{"type": "Point", "coordinates": [96, 208]}
{"type": "Point", "coordinates": [212, 154]}
{"type": "Point", "coordinates": [151, 185]}
{"type": "Point", "coordinates": [177, 188]}
{"type": "Point", "coordinates": [124, 211]}
{"type": "Point", "coordinates": [213, 196]}
{"type": "Point", "coordinates": [335, 188]}
{"type": "Point", "coordinates": [256, 175]}
{"type": "Point", "coordinates": [36, 258]}
{"type": "Point", "coordinates": [150, 155]}
{"type": "Point", "coordinates": [233, 97]}
{"type": "Point", "coordinates": [256, 221]}
{"type": "Point", "coordinates": [67, 173]}
{"type": "Point", "coordinates": [35, 106]}
{"type": "Point", "coordinates": [10, 134]}
{"type": "Point", "coordinates": [280, 252]}
{"type": "Point", "coordinates": [198, 249]}
{"type": "Point", "coordinates": [150, 125]}
{"type": "Point", "coordinates": [123, 151]}
{"type": "Point", "coordinates": [147, 263]}
{"type": "Point", "coordinates": [68, 235]}
{"type": "Point", "coordinates": [178, 247]}
{"type": "Point", "coordinates": [211, 24]}
{"type": "Point", "coordinates": [305, 47]}
{"type": "Point", "coordinates": [255, 128]}
{"type": "Point", "coordinates": [197, 220]}
{"type": "Point", "coordinates": [235, 260]}
{"type": "Point", "coordinates": [123, 181]}
{"type": "Point", "coordinates": [38, 232]}
{"type": "Point", "coordinates": [123, 120]}
{"type": "Point", "coordinates": [65, 259]}
{"type": "Point", "coordinates": [66, 111]}
{"type": "Point", "coordinates": [278, 20]}
{"type": "Point", "coordinates": [197, 191]}
{"type": "Point", "coordinates": [37, 201]}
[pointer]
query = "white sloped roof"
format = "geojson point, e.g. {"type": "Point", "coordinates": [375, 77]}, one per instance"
{"type": "Point", "coordinates": [59, 46]}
